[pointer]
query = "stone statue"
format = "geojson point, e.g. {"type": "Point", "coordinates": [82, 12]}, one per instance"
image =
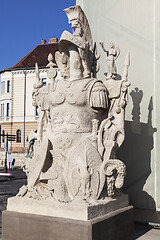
{"type": "Point", "coordinates": [112, 55]}
{"type": "Point", "coordinates": [31, 139]}
{"type": "Point", "coordinates": [80, 126]}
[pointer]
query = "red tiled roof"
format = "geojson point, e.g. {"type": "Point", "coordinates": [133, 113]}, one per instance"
{"type": "Point", "coordinates": [38, 55]}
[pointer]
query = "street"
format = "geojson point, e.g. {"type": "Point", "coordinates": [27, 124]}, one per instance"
{"type": "Point", "coordinates": [9, 187]}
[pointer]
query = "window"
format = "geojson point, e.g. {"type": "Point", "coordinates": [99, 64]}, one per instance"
{"type": "Point", "coordinates": [0, 136]}
{"type": "Point", "coordinates": [2, 110]}
{"type": "Point", "coordinates": [8, 86]}
{"type": "Point", "coordinates": [36, 111]}
{"type": "Point", "coordinates": [18, 135]}
{"type": "Point", "coordinates": [44, 81]}
{"type": "Point", "coordinates": [7, 113]}
{"type": "Point", "coordinates": [3, 139]}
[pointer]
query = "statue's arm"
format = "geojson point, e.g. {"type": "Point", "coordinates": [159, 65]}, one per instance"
{"type": "Point", "coordinates": [101, 44]}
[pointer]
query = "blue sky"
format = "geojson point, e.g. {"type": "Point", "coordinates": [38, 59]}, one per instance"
{"type": "Point", "coordinates": [24, 23]}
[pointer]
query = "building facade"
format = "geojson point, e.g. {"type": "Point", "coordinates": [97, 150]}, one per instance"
{"type": "Point", "coordinates": [134, 26]}
{"type": "Point", "coordinates": [17, 115]}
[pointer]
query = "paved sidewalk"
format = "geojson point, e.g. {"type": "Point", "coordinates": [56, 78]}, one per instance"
{"type": "Point", "coordinates": [143, 232]}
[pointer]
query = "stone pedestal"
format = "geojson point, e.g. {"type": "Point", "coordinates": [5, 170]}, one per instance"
{"type": "Point", "coordinates": [117, 225]}
{"type": "Point", "coordinates": [78, 210]}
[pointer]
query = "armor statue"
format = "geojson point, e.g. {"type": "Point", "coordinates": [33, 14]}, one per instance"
{"type": "Point", "coordinates": [81, 123]}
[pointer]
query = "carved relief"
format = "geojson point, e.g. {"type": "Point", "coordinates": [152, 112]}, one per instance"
{"type": "Point", "coordinates": [63, 142]}
{"type": "Point", "coordinates": [115, 171]}
{"type": "Point", "coordinates": [82, 171]}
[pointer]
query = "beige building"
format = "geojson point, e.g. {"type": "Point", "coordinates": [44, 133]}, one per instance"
{"type": "Point", "coordinates": [17, 115]}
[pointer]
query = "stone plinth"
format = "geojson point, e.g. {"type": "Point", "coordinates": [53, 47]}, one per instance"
{"type": "Point", "coordinates": [77, 210]}
{"type": "Point", "coordinates": [117, 225]}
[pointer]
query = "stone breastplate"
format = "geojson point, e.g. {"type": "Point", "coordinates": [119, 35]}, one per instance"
{"type": "Point", "coordinates": [77, 118]}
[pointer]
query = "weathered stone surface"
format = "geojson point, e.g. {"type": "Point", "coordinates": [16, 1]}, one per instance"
{"type": "Point", "coordinates": [73, 210]}
{"type": "Point", "coordinates": [80, 128]}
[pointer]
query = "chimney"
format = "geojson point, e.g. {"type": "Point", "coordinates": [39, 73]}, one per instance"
{"type": "Point", "coordinates": [43, 41]}
{"type": "Point", "coordinates": [53, 40]}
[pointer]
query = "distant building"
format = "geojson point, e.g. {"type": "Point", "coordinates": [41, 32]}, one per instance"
{"type": "Point", "coordinates": [17, 115]}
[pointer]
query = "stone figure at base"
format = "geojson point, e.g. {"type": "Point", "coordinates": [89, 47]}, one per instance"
{"type": "Point", "coordinates": [81, 125]}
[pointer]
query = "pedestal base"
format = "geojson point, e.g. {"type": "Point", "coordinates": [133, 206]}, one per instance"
{"type": "Point", "coordinates": [78, 210]}
{"type": "Point", "coordinates": [117, 225]}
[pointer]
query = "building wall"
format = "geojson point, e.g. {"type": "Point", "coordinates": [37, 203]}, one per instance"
{"type": "Point", "coordinates": [18, 96]}
{"type": "Point", "coordinates": [11, 128]}
{"type": "Point", "coordinates": [21, 85]}
{"type": "Point", "coordinates": [5, 97]}
{"type": "Point", "coordinates": [19, 79]}
{"type": "Point", "coordinates": [134, 26]}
